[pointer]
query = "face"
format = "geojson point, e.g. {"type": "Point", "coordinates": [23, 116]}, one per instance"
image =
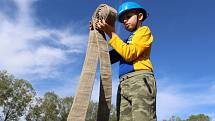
{"type": "Point", "coordinates": [129, 20]}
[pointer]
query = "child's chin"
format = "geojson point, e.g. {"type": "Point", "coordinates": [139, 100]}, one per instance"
{"type": "Point", "coordinates": [129, 29]}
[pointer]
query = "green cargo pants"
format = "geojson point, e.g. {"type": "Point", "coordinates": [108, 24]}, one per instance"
{"type": "Point", "coordinates": [136, 97]}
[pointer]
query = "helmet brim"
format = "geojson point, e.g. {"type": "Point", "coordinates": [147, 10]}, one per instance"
{"type": "Point", "coordinates": [141, 10]}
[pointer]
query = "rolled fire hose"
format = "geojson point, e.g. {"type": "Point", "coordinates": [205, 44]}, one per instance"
{"type": "Point", "coordinates": [97, 50]}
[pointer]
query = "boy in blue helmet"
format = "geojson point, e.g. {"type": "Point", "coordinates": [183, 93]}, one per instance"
{"type": "Point", "coordinates": [136, 98]}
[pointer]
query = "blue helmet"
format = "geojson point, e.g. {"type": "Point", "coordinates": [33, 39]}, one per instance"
{"type": "Point", "coordinates": [127, 6]}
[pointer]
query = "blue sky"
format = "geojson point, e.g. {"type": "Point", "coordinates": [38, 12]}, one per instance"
{"type": "Point", "coordinates": [44, 41]}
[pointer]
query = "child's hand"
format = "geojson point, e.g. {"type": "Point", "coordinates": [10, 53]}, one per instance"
{"type": "Point", "coordinates": [102, 25]}
{"type": "Point", "coordinates": [90, 26]}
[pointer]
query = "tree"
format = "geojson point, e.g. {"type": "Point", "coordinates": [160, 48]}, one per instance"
{"type": "Point", "coordinates": [92, 112]}
{"type": "Point", "coordinates": [50, 108]}
{"type": "Point", "coordinates": [5, 81]}
{"type": "Point", "coordinates": [47, 108]}
{"type": "Point", "coordinates": [15, 96]}
{"type": "Point", "coordinates": [199, 117]}
{"type": "Point", "coordinates": [35, 111]}
{"type": "Point", "coordinates": [175, 118]}
{"type": "Point", "coordinates": [67, 103]}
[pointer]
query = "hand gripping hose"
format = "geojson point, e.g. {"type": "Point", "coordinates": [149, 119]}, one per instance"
{"type": "Point", "coordinates": [97, 49]}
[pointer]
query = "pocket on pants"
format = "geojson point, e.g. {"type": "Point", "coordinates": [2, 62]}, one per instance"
{"type": "Point", "coordinates": [148, 87]}
{"type": "Point", "coordinates": [151, 85]}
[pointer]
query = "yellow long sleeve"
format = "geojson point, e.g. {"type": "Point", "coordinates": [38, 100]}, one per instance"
{"type": "Point", "coordinates": [140, 44]}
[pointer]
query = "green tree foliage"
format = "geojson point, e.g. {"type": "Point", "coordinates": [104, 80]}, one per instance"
{"type": "Point", "coordinates": [50, 108]}
{"type": "Point", "coordinates": [92, 112]}
{"type": "Point", "coordinates": [67, 103]}
{"type": "Point", "coordinates": [5, 89]}
{"type": "Point", "coordinates": [15, 96]}
{"type": "Point", "coordinates": [35, 111]}
{"type": "Point", "coordinates": [199, 117]}
{"type": "Point", "coordinates": [174, 118]}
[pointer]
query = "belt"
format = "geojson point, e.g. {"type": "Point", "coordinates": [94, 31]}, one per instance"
{"type": "Point", "coordinates": [131, 74]}
{"type": "Point", "coordinates": [97, 49]}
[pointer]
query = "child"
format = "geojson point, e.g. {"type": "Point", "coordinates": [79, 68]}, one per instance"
{"type": "Point", "coordinates": [136, 98]}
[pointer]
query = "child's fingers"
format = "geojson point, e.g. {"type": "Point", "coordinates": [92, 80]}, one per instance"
{"type": "Point", "coordinates": [99, 25]}
{"type": "Point", "coordinates": [103, 22]}
{"type": "Point", "coordinates": [90, 25]}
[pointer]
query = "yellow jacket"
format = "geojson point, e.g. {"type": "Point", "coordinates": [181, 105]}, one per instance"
{"type": "Point", "coordinates": [134, 53]}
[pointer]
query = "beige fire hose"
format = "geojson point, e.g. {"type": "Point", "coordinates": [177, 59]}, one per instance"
{"type": "Point", "coordinates": [97, 49]}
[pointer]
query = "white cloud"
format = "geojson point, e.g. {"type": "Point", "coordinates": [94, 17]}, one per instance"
{"type": "Point", "coordinates": [212, 116]}
{"type": "Point", "coordinates": [176, 99]}
{"type": "Point", "coordinates": [169, 104]}
{"type": "Point", "coordinates": [19, 39]}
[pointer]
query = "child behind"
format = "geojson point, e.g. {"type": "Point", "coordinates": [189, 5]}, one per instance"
{"type": "Point", "coordinates": [136, 96]}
